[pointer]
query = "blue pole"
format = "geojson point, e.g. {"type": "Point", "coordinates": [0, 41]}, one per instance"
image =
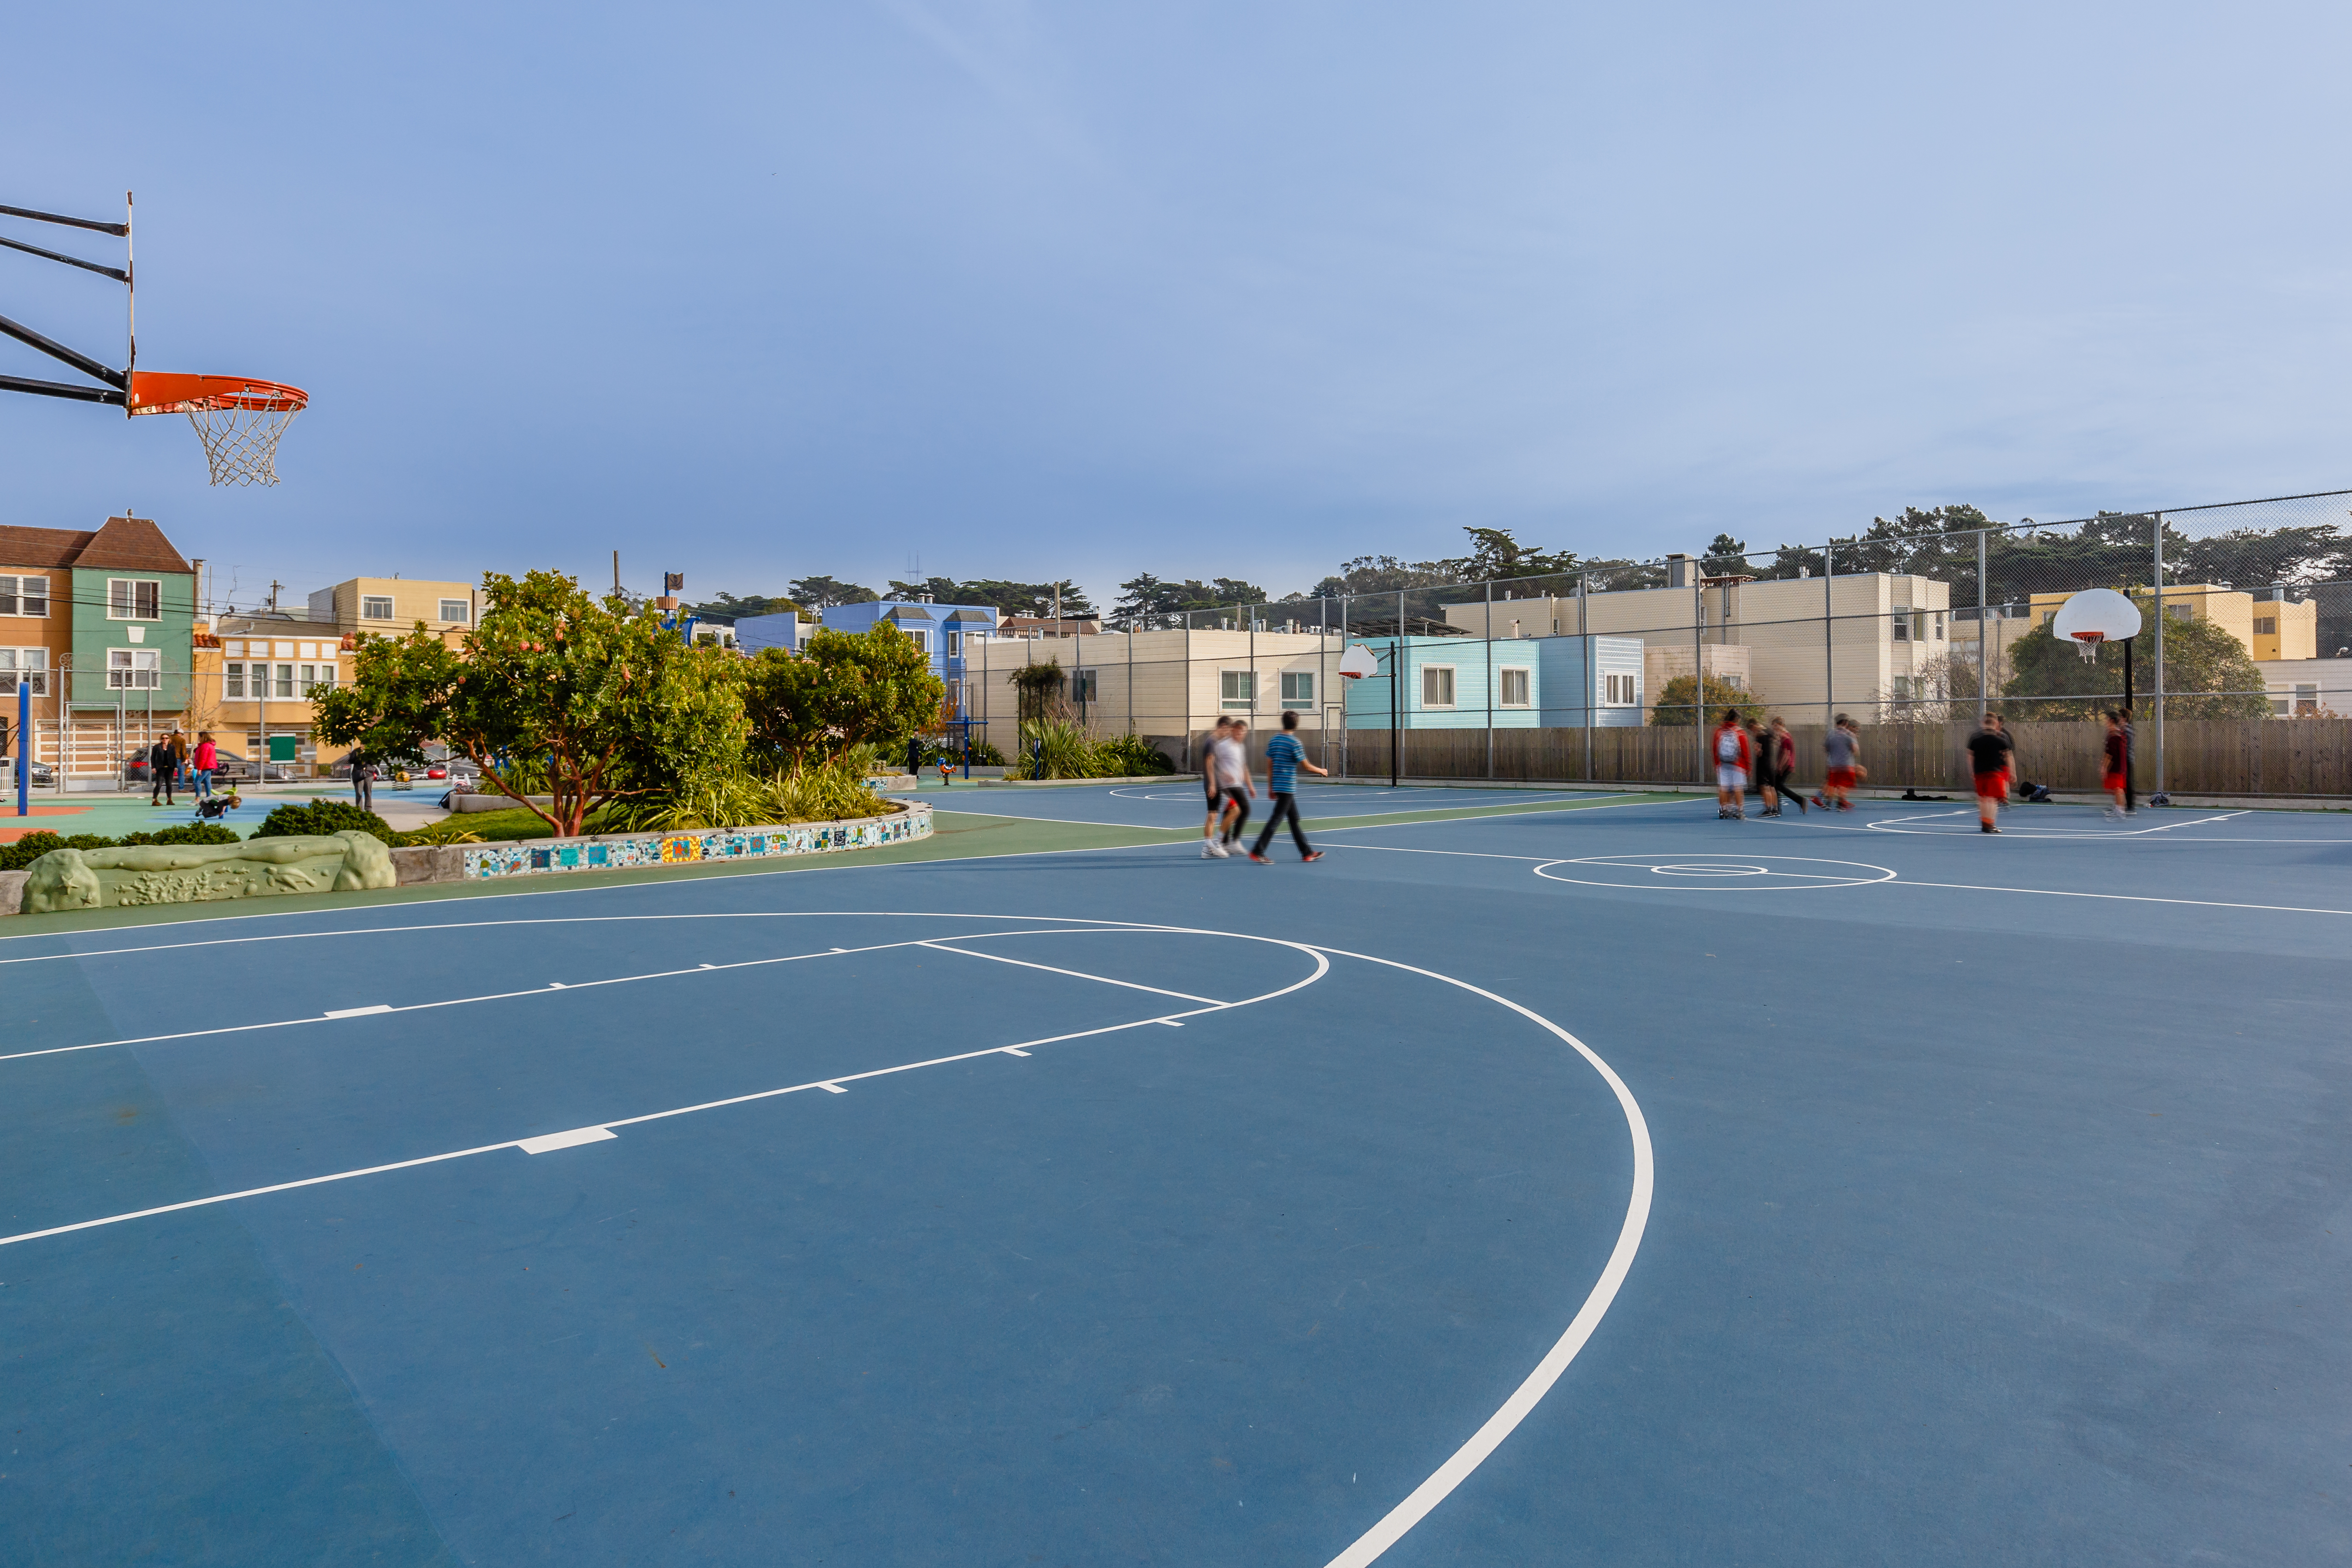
{"type": "Point", "coordinates": [24, 754]}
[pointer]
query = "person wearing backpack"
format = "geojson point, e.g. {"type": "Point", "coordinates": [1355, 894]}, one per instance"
{"type": "Point", "coordinates": [1733, 757]}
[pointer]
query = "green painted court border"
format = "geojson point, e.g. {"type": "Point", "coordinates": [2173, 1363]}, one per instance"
{"type": "Point", "coordinates": [976, 835]}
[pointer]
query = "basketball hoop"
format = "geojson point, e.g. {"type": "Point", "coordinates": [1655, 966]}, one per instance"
{"type": "Point", "coordinates": [2093, 617]}
{"type": "Point", "coordinates": [1359, 662]}
{"type": "Point", "coordinates": [238, 418]}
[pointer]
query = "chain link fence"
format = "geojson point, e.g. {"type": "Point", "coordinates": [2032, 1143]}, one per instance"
{"type": "Point", "coordinates": [2239, 684]}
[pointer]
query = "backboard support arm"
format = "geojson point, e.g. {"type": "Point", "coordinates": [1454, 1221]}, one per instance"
{"type": "Point", "coordinates": [64, 389]}
{"type": "Point", "coordinates": [119, 230]}
{"type": "Point", "coordinates": [57, 351]}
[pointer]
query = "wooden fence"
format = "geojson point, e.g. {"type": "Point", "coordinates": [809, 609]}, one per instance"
{"type": "Point", "coordinates": [2248, 757]}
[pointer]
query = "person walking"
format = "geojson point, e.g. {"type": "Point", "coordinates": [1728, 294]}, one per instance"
{"type": "Point", "coordinates": [1842, 754]}
{"type": "Point", "coordinates": [363, 781]}
{"type": "Point", "coordinates": [203, 761]}
{"type": "Point", "coordinates": [1212, 847]}
{"type": "Point", "coordinates": [1990, 756]}
{"type": "Point", "coordinates": [1284, 758]}
{"type": "Point", "coordinates": [1760, 775]}
{"type": "Point", "coordinates": [163, 769]}
{"type": "Point", "coordinates": [2117, 774]}
{"type": "Point", "coordinates": [1781, 747]}
{"type": "Point", "coordinates": [1233, 780]}
{"type": "Point", "coordinates": [1733, 757]}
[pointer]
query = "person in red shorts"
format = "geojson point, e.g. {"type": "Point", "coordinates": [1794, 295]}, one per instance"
{"type": "Point", "coordinates": [1990, 753]}
{"type": "Point", "coordinates": [1842, 769]}
{"type": "Point", "coordinates": [2116, 777]}
{"type": "Point", "coordinates": [1733, 757]}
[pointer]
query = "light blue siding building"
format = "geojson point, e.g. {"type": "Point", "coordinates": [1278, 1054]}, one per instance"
{"type": "Point", "coordinates": [1513, 683]}
{"type": "Point", "coordinates": [940, 630]}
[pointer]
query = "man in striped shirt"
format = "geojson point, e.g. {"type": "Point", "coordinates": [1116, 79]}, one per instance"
{"type": "Point", "coordinates": [1284, 758]}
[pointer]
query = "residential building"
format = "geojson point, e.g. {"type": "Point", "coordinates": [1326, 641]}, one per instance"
{"type": "Point", "coordinates": [393, 607]}
{"type": "Point", "coordinates": [2272, 625]}
{"type": "Point", "coordinates": [100, 623]}
{"type": "Point", "coordinates": [1872, 643]}
{"type": "Point", "coordinates": [1508, 683]}
{"type": "Point", "coordinates": [257, 676]}
{"type": "Point", "coordinates": [2308, 687]}
{"type": "Point", "coordinates": [1168, 685]}
{"type": "Point", "coordinates": [785, 630]}
{"type": "Point", "coordinates": [945, 631]}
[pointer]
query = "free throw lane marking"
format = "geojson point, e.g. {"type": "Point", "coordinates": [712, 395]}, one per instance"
{"type": "Point", "coordinates": [549, 1141]}
{"type": "Point", "coordinates": [1076, 974]}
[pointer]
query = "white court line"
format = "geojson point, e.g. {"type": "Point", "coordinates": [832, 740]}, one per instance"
{"type": "Point", "coordinates": [832, 1085]}
{"type": "Point", "coordinates": [1106, 980]}
{"type": "Point", "coordinates": [547, 1143]}
{"type": "Point", "coordinates": [1538, 1383]}
{"type": "Point", "coordinates": [511, 996]}
{"type": "Point", "coordinates": [1500, 808]}
{"type": "Point", "coordinates": [2122, 898]}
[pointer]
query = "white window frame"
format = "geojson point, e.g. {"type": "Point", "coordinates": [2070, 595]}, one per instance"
{"type": "Point", "coordinates": [1527, 683]}
{"type": "Point", "coordinates": [368, 611]}
{"type": "Point", "coordinates": [1903, 626]}
{"type": "Point", "coordinates": [465, 609]}
{"type": "Point", "coordinates": [31, 665]}
{"type": "Point", "coordinates": [19, 597]}
{"type": "Point", "coordinates": [1611, 686]}
{"type": "Point", "coordinates": [1435, 678]}
{"type": "Point", "coordinates": [2180, 610]}
{"type": "Point", "coordinates": [1237, 691]}
{"type": "Point", "coordinates": [315, 677]}
{"type": "Point", "coordinates": [122, 597]}
{"type": "Point", "coordinates": [281, 686]}
{"type": "Point", "coordinates": [134, 668]}
{"type": "Point", "coordinates": [233, 680]}
{"type": "Point", "coordinates": [955, 644]}
{"type": "Point", "coordinates": [1298, 689]}
{"type": "Point", "coordinates": [921, 637]}
{"type": "Point", "coordinates": [1902, 688]}
{"type": "Point", "coordinates": [2267, 625]}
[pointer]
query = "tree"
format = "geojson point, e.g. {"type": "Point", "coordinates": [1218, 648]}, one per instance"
{"type": "Point", "coordinates": [554, 694]}
{"type": "Point", "coordinates": [843, 689]}
{"type": "Point", "coordinates": [1145, 596]}
{"type": "Point", "coordinates": [1007, 597]}
{"type": "Point", "coordinates": [727, 607]}
{"type": "Point", "coordinates": [1673, 704]}
{"type": "Point", "coordinates": [1724, 557]}
{"type": "Point", "coordinates": [1382, 575]}
{"type": "Point", "coordinates": [1495, 554]}
{"type": "Point", "coordinates": [2056, 682]}
{"type": "Point", "coordinates": [823, 593]}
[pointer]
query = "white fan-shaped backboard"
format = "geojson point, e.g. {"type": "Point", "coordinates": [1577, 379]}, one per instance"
{"type": "Point", "coordinates": [2095, 614]}
{"type": "Point", "coordinates": [1357, 662]}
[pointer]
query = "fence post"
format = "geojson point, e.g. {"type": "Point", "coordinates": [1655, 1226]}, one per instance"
{"type": "Point", "coordinates": [1984, 647]}
{"type": "Point", "coordinates": [1829, 636]}
{"type": "Point", "coordinates": [1698, 664]}
{"type": "Point", "coordinates": [1185, 687]}
{"type": "Point", "coordinates": [1592, 677]}
{"type": "Point", "coordinates": [1490, 679]}
{"type": "Point", "coordinates": [2158, 698]}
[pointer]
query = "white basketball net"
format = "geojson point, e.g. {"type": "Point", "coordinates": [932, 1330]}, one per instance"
{"type": "Point", "coordinates": [2088, 645]}
{"type": "Point", "coordinates": [241, 444]}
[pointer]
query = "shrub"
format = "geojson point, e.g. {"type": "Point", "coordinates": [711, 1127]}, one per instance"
{"type": "Point", "coordinates": [186, 832]}
{"type": "Point", "coordinates": [984, 756]}
{"type": "Point", "coordinates": [321, 817]}
{"type": "Point", "coordinates": [1126, 756]}
{"type": "Point", "coordinates": [26, 850]}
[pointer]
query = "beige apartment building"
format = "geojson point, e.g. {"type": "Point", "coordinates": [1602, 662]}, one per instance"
{"type": "Point", "coordinates": [1170, 687]}
{"type": "Point", "coordinates": [1876, 644]}
{"type": "Point", "coordinates": [391, 606]}
{"type": "Point", "coordinates": [257, 675]}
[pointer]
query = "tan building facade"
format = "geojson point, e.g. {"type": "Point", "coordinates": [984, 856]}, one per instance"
{"type": "Point", "coordinates": [391, 606]}
{"type": "Point", "coordinates": [256, 677]}
{"type": "Point", "coordinates": [1876, 644]}
{"type": "Point", "coordinates": [2270, 628]}
{"type": "Point", "coordinates": [1170, 687]}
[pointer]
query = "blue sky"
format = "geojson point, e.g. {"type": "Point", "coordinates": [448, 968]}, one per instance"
{"type": "Point", "coordinates": [1027, 291]}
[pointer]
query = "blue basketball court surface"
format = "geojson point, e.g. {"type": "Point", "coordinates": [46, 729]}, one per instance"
{"type": "Point", "coordinates": [1540, 1177]}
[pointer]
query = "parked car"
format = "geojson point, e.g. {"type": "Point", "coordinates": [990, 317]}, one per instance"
{"type": "Point", "coordinates": [41, 772]}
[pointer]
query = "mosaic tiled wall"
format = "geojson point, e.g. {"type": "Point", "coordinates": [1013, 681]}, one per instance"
{"type": "Point", "coordinates": [533, 858]}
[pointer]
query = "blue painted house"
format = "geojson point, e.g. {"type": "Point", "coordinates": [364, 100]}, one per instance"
{"type": "Point", "coordinates": [940, 630]}
{"type": "Point", "coordinates": [1513, 683]}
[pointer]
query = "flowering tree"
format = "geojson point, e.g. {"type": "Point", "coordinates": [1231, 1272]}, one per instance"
{"type": "Point", "coordinates": [554, 694]}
